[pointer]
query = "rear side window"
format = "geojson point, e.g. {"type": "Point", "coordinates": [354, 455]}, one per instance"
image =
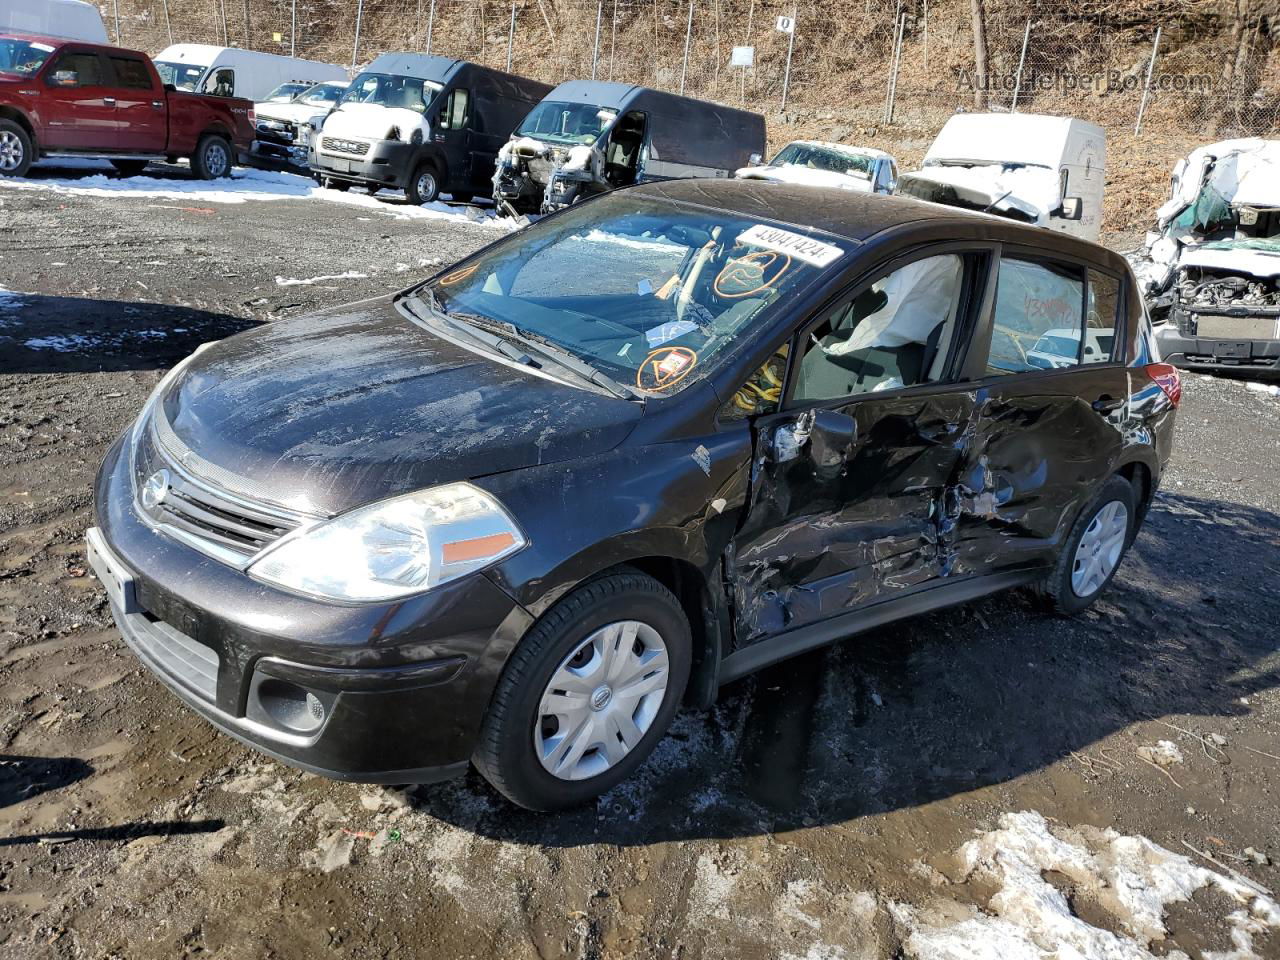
{"type": "Point", "coordinates": [1101, 318]}
{"type": "Point", "coordinates": [76, 70]}
{"type": "Point", "coordinates": [1039, 314]}
{"type": "Point", "coordinates": [131, 73]}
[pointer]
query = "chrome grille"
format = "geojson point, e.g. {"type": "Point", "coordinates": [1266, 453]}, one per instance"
{"type": "Point", "coordinates": [338, 145]}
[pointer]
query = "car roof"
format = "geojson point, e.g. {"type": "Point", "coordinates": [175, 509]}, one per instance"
{"type": "Point", "coordinates": [860, 216]}
{"type": "Point", "coordinates": [59, 42]}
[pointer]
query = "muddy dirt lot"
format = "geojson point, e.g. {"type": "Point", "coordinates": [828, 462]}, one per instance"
{"type": "Point", "coordinates": [818, 811]}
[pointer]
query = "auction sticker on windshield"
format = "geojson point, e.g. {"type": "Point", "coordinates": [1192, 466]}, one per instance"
{"type": "Point", "coordinates": [804, 248]}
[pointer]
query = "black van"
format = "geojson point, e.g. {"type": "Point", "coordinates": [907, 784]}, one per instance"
{"type": "Point", "coordinates": [422, 124]}
{"type": "Point", "coordinates": [587, 137]}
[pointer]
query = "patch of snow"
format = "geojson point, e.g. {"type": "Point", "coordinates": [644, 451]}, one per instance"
{"type": "Point", "coordinates": [1130, 877]}
{"type": "Point", "coordinates": [291, 282]}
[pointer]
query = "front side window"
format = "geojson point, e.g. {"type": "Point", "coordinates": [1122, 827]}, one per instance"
{"type": "Point", "coordinates": [180, 76]}
{"type": "Point", "coordinates": [23, 57]}
{"type": "Point", "coordinates": [76, 70]}
{"type": "Point", "coordinates": [566, 122]}
{"type": "Point", "coordinates": [454, 114]}
{"type": "Point", "coordinates": [408, 93]}
{"type": "Point", "coordinates": [1039, 312]}
{"type": "Point", "coordinates": [651, 292]}
{"type": "Point", "coordinates": [893, 334]}
{"type": "Point", "coordinates": [131, 73]}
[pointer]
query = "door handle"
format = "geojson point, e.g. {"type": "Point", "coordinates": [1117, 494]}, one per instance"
{"type": "Point", "coordinates": [1107, 403]}
{"type": "Point", "coordinates": [109, 101]}
{"type": "Point", "coordinates": [158, 104]}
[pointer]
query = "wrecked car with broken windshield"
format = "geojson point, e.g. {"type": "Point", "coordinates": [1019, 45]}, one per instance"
{"type": "Point", "coordinates": [1211, 268]}
{"type": "Point", "coordinates": [517, 515]}
{"type": "Point", "coordinates": [588, 137]}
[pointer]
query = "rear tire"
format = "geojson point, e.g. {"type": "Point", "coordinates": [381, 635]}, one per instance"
{"type": "Point", "coordinates": [1094, 549]}
{"type": "Point", "coordinates": [129, 168]}
{"type": "Point", "coordinates": [17, 152]}
{"type": "Point", "coordinates": [424, 185]}
{"type": "Point", "coordinates": [342, 186]}
{"type": "Point", "coordinates": [603, 653]}
{"type": "Point", "coordinates": [213, 157]}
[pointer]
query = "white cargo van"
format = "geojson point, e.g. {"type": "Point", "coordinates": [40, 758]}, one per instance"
{"type": "Point", "coordinates": [1038, 169]}
{"type": "Point", "coordinates": [69, 19]}
{"type": "Point", "coordinates": [228, 71]}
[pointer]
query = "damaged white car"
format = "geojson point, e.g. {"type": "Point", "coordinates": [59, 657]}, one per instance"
{"type": "Point", "coordinates": [284, 122]}
{"type": "Point", "coordinates": [819, 164]}
{"type": "Point", "coordinates": [1037, 169]}
{"type": "Point", "coordinates": [1211, 268]}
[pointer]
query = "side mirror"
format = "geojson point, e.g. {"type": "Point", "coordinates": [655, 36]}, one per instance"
{"type": "Point", "coordinates": [66, 78]}
{"type": "Point", "coordinates": [755, 160]}
{"type": "Point", "coordinates": [1072, 208]}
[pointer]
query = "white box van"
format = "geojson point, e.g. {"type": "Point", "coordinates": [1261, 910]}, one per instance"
{"type": "Point", "coordinates": [1038, 169]}
{"type": "Point", "coordinates": [228, 71]}
{"type": "Point", "coordinates": [69, 19]}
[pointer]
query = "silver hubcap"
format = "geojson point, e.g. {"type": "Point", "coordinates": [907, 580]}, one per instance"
{"type": "Point", "coordinates": [1099, 550]}
{"type": "Point", "coordinates": [601, 700]}
{"type": "Point", "coordinates": [426, 186]}
{"type": "Point", "coordinates": [215, 159]}
{"type": "Point", "coordinates": [10, 150]}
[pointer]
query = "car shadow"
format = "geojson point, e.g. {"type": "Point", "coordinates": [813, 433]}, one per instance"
{"type": "Point", "coordinates": [946, 703]}
{"type": "Point", "coordinates": [125, 831]}
{"type": "Point", "coordinates": [22, 778]}
{"type": "Point", "coordinates": [44, 334]}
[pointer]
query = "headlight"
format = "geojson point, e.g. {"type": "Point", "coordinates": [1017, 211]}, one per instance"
{"type": "Point", "coordinates": [395, 547]}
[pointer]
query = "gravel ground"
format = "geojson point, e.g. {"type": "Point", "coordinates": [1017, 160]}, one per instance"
{"type": "Point", "coordinates": [816, 812]}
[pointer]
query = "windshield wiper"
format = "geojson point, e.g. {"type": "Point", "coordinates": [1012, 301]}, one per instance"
{"type": "Point", "coordinates": [497, 336]}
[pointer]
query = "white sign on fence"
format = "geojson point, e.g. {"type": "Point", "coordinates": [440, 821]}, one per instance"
{"type": "Point", "coordinates": [743, 57]}
{"type": "Point", "coordinates": [787, 24]}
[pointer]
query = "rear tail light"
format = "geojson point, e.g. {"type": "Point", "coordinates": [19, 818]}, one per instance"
{"type": "Point", "coordinates": [253, 118]}
{"type": "Point", "coordinates": [1167, 379]}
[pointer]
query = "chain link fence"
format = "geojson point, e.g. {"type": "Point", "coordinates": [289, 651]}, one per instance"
{"type": "Point", "coordinates": [883, 64]}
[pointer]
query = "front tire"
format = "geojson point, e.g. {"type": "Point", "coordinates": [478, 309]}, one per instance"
{"type": "Point", "coordinates": [424, 185]}
{"type": "Point", "coordinates": [17, 152]}
{"type": "Point", "coordinates": [342, 186]}
{"type": "Point", "coordinates": [213, 157]}
{"type": "Point", "coordinates": [1094, 549]}
{"type": "Point", "coordinates": [587, 694]}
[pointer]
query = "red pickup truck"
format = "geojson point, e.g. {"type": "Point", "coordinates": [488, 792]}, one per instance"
{"type": "Point", "coordinates": [62, 98]}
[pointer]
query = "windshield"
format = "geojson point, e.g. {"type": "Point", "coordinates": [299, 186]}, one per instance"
{"type": "Point", "coordinates": [22, 56]}
{"type": "Point", "coordinates": [322, 93]}
{"type": "Point", "coordinates": [650, 292]}
{"type": "Point", "coordinates": [183, 76]}
{"type": "Point", "coordinates": [409, 93]}
{"type": "Point", "coordinates": [822, 158]}
{"type": "Point", "coordinates": [566, 122]}
{"type": "Point", "coordinates": [285, 92]}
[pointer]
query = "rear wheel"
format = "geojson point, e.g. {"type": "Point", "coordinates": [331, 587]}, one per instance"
{"type": "Point", "coordinates": [1093, 551]}
{"type": "Point", "coordinates": [212, 158]}
{"type": "Point", "coordinates": [17, 152]}
{"type": "Point", "coordinates": [424, 185]}
{"type": "Point", "coordinates": [129, 168]}
{"type": "Point", "coordinates": [588, 693]}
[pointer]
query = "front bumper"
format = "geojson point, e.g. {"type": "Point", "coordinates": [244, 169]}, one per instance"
{"type": "Point", "coordinates": [388, 163]}
{"type": "Point", "coordinates": [1204, 353]}
{"type": "Point", "coordinates": [377, 693]}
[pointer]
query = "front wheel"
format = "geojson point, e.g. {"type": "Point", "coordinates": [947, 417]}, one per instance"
{"type": "Point", "coordinates": [17, 153]}
{"type": "Point", "coordinates": [588, 693]}
{"type": "Point", "coordinates": [342, 186]}
{"type": "Point", "coordinates": [1092, 553]}
{"type": "Point", "coordinates": [423, 186]}
{"type": "Point", "coordinates": [212, 157]}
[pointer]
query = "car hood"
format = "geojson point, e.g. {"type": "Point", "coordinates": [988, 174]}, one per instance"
{"type": "Point", "coordinates": [1032, 191]}
{"type": "Point", "coordinates": [1258, 257]}
{"type": "Point", "coordinates": [805, 176]}
{"type": "Point", "coordinates": [300, 113]}
{"type": "Point", "coordinates": [372, 121]}
{"type": "Point", "coordinates": [325, 412]}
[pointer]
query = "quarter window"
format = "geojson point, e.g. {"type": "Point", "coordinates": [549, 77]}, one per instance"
{"type": "Point", "coordinates": [131, 74]}
{"type": "Point", "coordinates": [1038, 317]}
{"type": "Point", "coordinates": [76, 70]}
{"type": "Point", "coordinates": [1100, 318]}
{"type": "Point", "coordinates": [893, 334]}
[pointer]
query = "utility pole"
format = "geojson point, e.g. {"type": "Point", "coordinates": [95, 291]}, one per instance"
{"type": "Point", "coordinates": [355, 46]}
{"type": "Point", "coordinates": [1146, 90]}
{"type": "Point", "coordinates": [293, 28]}
{"type": "Point", "coordinates": [1017, 83]}
{"type": "Point", "coordinates": [511, 36]}
{"type": "Point", "coordinates": [431, 22]}
{"type": "Point", "coordinates": [791, 45]}
{"type": "Point", "coordinates": [595, 48]}
{"type": "Point", "coordinates": [167, 25]}
{"type": "Point", "coordinates": [688, 36]}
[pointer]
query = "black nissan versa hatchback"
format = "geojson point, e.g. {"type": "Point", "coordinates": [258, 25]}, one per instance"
{"type": "Point", "coordinates": [516, 515]}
